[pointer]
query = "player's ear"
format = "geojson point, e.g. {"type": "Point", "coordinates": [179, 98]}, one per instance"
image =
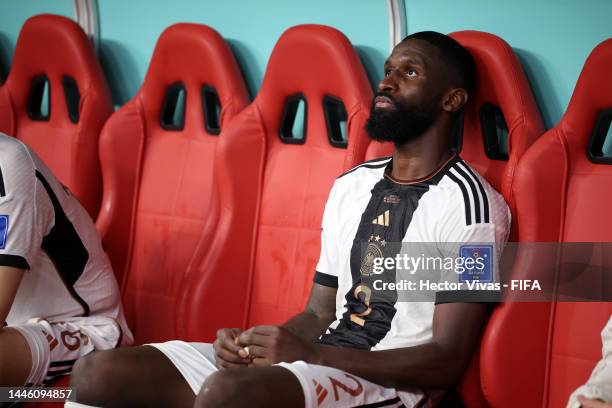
{"type": "Point", "coordinates": [454, 99]}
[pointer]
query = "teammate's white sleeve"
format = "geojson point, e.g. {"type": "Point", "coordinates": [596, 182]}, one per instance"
{"type": "Point", "coordinates": [599, 385]}
{"type": "Point", "coordinates": [23, 222]}
{"type": "Point", "coordinates": [327, 268]}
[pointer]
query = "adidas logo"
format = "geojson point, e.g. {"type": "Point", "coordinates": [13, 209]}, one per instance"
{"type": "Point", "coordinates": [382, 219]}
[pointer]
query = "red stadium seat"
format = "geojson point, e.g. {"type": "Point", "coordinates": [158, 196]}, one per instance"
{"type": "Point", "coordinates": [501, 87]}
{"type": "Point", "coordinates": [158, 154]}
{"type": "Point", "coordinates": [54, 51]}
{"type": "Point", "coordinates": [536, 354]}
{"type": "Point", "coordinates": [286, 180]}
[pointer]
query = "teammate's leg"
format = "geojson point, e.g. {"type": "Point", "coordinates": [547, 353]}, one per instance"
{"type": "Point", "coordinates": [267, 387]}
{"type": "Point", "coordinates": [15, 358]}
{"type": "Point", "coordinates": [139, 376]}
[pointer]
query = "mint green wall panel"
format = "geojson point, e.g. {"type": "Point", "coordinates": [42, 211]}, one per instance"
{"type": "Point", "coordinates": [552, 38]}
{"type": "Point", "coordinates": [129, 30]}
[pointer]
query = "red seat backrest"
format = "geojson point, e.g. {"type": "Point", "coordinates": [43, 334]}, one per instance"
{"type": "Point", "coordinates": [500, 82]}
{"type": "Point", "coordinates": [561, 195]}
{"type": "Point", "coordinates": [56, 48]}
{"type": "Point", "coordinates": [287, 182]}
{"type": "Point", "coordinates": [315, 61]}
{"type": "Point", "coordinates": [158, 175]}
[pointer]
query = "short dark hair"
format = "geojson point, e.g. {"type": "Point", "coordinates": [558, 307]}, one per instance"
{"type": "Point", "coordinates": [458, 60]}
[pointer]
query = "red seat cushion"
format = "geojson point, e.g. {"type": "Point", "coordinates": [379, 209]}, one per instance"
{"type": "Point", "coordinates": [57, 47]}
{"type": "Point", "coordinates": [159, 196]}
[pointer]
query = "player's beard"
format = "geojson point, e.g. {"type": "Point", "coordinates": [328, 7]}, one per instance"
{"type": "Point", "coordinates": [400, 124]}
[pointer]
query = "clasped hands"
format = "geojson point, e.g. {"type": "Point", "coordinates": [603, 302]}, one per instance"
{"type": "Point", "coordinates": [260, 346]}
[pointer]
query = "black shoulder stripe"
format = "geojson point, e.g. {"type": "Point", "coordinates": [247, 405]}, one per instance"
{"type": "Point", "coordinates": [2, 188]}
{"type": "Point", "coordinates": [370, 164]}
{"type": "Point", "coordinates": [470, 182]}
{"type": "Point", "coordinates": [466, 198]}
{"type": "Point", "coordinates": [485, 199]}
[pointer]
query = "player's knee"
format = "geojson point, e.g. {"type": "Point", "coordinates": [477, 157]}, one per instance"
{"type": "Point", "coordinates": [225, 388]}
{"type": "Point", "coordinates": [15, 358]}
{"type": "Point", "coordinates": [90, 372]}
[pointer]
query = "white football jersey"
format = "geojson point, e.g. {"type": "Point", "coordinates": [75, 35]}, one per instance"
{"type": "Point", "coordinates": [366, 210]}
{"type": "Point", "coordinates": [45, 230]}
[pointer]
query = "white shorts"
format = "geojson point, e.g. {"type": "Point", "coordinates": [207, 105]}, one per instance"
{"type": "Point", "coordinates": [56, 345]}
{"type": "Point", "coordinates": [324, 387]}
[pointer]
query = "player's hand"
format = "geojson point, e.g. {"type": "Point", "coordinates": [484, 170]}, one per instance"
{"type": "Point", "coordinates": [226, 349]}
{"type": "Point", "coordinates": [267, 345]}
{"type": "Point", "coordinates": [592, 403]}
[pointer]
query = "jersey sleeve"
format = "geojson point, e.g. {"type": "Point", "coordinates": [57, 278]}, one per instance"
{"type": "Point", "coordinates": [476, 248]}
{"type": "Point", "coordinates": [21, 222]}
{"type": "Point", "coordinates": [326, 273]}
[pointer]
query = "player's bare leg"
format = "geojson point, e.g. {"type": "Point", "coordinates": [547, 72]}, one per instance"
{"type": "Point", "coordinates": [129, 377]}
{"type": "Point", "coordinates": [267, 387]}
{"type": "Point", "coordinates": [15, 358]}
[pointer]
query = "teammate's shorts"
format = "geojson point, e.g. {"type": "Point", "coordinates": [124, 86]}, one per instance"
{"type": "Point", "coordinates": [56, 345]}
{"type": "Point", "coordinates": [324, 387]}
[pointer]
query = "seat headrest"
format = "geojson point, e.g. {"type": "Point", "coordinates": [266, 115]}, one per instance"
{"type": "Point", "coordinates": [501, 82]}
{"type": "Point", "coordinates": [313, 61]}
{"type": "Point", "coordinates": [56, 47]}
{"type": "Point", "coordinates": [193, 56]}
{"type": "Point", "coordinates": [592, 94]}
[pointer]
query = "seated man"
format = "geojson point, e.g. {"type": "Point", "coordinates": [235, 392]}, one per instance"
{"type": "Point", "coordinates": [344, 349]}
{"type": "Point", "coordinates": [597, 392]}
{"type": "Point", "coordinates": [58, 296]}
